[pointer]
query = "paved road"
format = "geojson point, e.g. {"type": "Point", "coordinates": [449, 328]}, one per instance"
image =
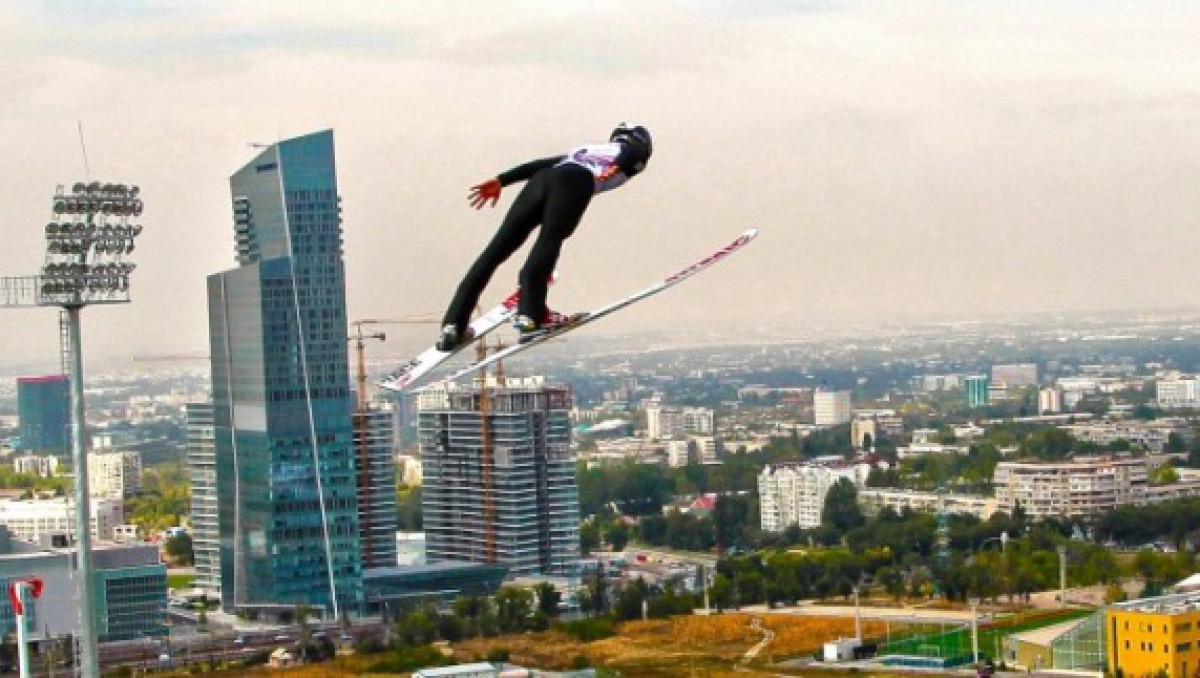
{"type": "Point", "coordinates": [882, 613]}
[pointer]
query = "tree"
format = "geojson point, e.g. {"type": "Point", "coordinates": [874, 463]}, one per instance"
{"type": "Point", "coordinates": [617, 535]}
{"type": "Point", "coordinates": [589, 536]}
{"type": "Point", "coordinates": [720, 594]}
{"type": "Point", "coordinates": [841, 511]}
{"type": "Point", "coordinates": [548, 598]}
{"type": "Point", "coordinates": [514, 607]}
{"type": "Point", "coordinates": [179, 548]}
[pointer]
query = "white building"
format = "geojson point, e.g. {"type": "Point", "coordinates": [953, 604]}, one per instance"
{"type": "Point", "coordinates": [663, 422]}
{"type": "Point", "coordinates": [29, 519]}
{"type": "Point", "coordinates": [1015, 375]}
{"type": "Point", "coordinates": [1069, 488]}
{"type": "Point", "coordinates": [43, 466]}
{"type": "Point", "coordinates": [707, 449]}
{"type": "Point", "coordinates": [794, 493]}
{"type": "Point", "coordinates": [874, 423]}
{"type": "Point", "coordinates": [873, 501]}
{"type": "Point", "coordinates": [1149, 435]}
{"type": "Point", "coordinates": [1172, 393]}
{"type": "Point", "coordinates": [678, 453]}
{"type": "Point", "coordinates": [831, 408]}
{"type": "Point", "coordinates": [114, 475]}
{"type": "Point", "coordinates": [1050, 401]}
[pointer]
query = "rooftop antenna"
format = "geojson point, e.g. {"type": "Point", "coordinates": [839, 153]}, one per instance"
{"type": "Point", "coordinates": [87, 171]}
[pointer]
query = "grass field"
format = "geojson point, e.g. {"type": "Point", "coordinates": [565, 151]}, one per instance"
{"type": "Point", "coordinates": [929, 640]}
{"type": "Point", "coordinates": [180, 581]}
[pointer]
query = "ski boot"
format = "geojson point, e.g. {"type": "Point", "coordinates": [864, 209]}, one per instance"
{"type": "Point", "coordinates": [451, 338]}
{"type": "Point", "coordinates": [530, 330]}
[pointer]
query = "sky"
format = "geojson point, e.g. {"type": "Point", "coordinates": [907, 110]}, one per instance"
{"type": "Point", "coordinates": [903, 160]}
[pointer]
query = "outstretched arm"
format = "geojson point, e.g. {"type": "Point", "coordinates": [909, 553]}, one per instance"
{"type": "Point", "coordinates": [489, 191]}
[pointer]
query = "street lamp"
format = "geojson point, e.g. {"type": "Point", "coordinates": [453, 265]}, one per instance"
{"type": "Point", "coordinates": [974, 602]}
{"type": "Point", "coordinates": [89, 236]}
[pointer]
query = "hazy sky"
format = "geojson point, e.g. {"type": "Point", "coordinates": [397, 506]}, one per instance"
{"type": "Point", "coordinates": [901, 158]}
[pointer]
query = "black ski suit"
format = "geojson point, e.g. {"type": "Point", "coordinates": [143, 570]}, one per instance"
{"type": "Point", "coordinates": [556, 195]}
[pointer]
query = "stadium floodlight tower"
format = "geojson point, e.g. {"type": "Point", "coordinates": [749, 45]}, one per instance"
{"type": "Point", "coordinates": [88, 241]}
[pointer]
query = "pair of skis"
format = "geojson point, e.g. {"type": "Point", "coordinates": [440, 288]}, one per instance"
{"type": "Point", "coordinates": [411, 372]}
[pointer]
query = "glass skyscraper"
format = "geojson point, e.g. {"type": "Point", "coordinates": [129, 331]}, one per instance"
{"type": "Point", "coordinates": [44, 413]}
{"type": "Point", "coordinates": [285, 463]}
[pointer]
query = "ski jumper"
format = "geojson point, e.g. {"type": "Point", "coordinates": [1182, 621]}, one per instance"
{"type": "Point", "coordinates": [555, 196]}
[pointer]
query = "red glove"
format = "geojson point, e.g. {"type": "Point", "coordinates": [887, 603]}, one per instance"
{"type": "Point", "coordinates": [481, 194]}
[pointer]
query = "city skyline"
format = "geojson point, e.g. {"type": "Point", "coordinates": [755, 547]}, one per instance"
{"type": "Point", "coordinates": [936, 159]}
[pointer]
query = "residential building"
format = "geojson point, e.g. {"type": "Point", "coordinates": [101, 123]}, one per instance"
{"type": "Point", "coordinates": [31, 519]}
{"type": "Point", "coordinates": [793, 493]}
{"type": "Point", "coordinates": [1082, 487]}
{"type": "Point", "coordinates": [678, 453]}
{"type": "Point", "coordinates": [665, 422]}
{"type": "Point", "coordinates": [831, 408]}
{"type": "Point", "coordinates": [114, 475]}
{"type": "Point", "coordinates": [1177, 393]}
{"type": "Point", "coordinates": [42, 466]}
{"type": "Point", "coordinates": [1050, 400]}
{"type": "Point", "coordinates": [130, 590]}
{"type": "Point", "coordinates": [874, 423]}
{"type": "Point", "coordinates": [1015, 375]}
{"type": "Point", "coordinates": [44, 413]}
{"type": "Point", "coordinates": [205, 504]}
{"type": "Point", "coordinates": [977, 390]}
{"type": "Point", "coordinates": [707, 449]}
{"type": "Point", "coordinates": [499, 485]}
{"type": "Point", "coordinates": [1154, 636]}
{"type": "Point", "coordinates": [375, 441]}
{"type": "Point", "coordinates": [1150, 435]}
{"type": "Point", "coordinates": [286, 465]}
{"type": "Point", "coordinates": [873, 501]}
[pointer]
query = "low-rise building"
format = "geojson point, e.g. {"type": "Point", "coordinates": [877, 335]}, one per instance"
{"type": "Point", "coordinates": [30, 519]}
{"type": "Point", "coordinates": [873, 501]}
{"type": "Point", "coordinates": [43, 466]}
{"type": "Point", "coordinates": [1154, 636]}
{"type": "Point", "coordinates": [1149, 435]}
{"type": "Point", "coordinates": [130, 590]}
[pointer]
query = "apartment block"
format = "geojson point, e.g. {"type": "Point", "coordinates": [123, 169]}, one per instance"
{"type": "Point", "coordinates": [1069, 488]}
{"type": "Point", "coordinates": [831, 408]}
{"type": "Point", "coordinates": [114, 475]}
{"type": "Point", "coordinates": [873, 501]}
{"type": "Point", "coordinates": [794, 493]}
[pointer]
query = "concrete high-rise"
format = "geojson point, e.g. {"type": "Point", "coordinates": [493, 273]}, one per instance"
{"type": "Point", "coordinates": [285, 461]}
{"type": "Point", "coordinates": [499, 483]}
{"type": "Point", "coordinates": [44, 413]}
{"type": "Point", "coordinates": [375, 442]}
{"type": "Point", "coordinates": [202, 472]}
{"type": "Point", "coordinates": [831, 408]}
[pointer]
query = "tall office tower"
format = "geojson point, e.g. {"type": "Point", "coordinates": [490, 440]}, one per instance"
{"type": "Point", "coordinates": [202, 471]}
{"type": "Point", "coordinates": [831, 408]}
{"type": "Point", "coordinates": [977, 390]}
{"type": "Point", "coordinates": [500, 477]}
{"type": "Point", "coordinates": [44, 413]}
{"type": "Point", "coordinates": [281, 391]}
{"type": "Point", "coordinates": [375, 441]}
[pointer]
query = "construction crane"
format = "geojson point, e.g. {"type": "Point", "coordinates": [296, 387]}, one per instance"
{"type": "Point", "coordinates": [487, 458]}
{"type": "Point", "coordinates": [359, 337]}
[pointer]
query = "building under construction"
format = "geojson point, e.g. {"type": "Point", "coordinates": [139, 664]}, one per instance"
{"type": "Point", "coordinates": [499, 477]}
